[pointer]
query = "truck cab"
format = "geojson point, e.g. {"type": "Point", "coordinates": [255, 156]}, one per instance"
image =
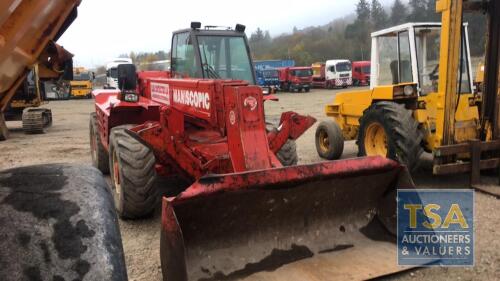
{"type": "Point", "coordinates": [296, 78]}
{"type": "Point", "coordinates": [82, 83]}
{"type": "Point", "coordinates": [268, 78]}
{"type": "Point", "coordinates": [339, 73]}
{"type": "Point", "coordinates": [361, 73]}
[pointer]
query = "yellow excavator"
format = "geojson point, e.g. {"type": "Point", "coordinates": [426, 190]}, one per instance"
{"type": "Point", "coordinates": [422, 98]}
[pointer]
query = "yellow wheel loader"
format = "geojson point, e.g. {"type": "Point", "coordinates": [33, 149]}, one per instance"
{"type": "Point", "coordinates": [422, 97]}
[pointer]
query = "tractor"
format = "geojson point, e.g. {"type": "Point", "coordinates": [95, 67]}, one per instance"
{"type": "Point", "coordinates": [403, 113]}
{"type": "Point", "coordinates": [232, 195]}
{"type": "Point", "coordinates": [422, 98]}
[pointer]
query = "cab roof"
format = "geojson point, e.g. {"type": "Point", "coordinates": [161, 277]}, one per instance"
{"type": "Point", "coordinates": [407, 26]}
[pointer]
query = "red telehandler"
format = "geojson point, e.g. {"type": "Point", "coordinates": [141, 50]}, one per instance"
{"type": "Point", "coordinates": [232, 210]}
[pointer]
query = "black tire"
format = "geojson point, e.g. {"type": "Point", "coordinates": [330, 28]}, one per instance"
{"type": "Point", "coordinates": [57, 222]}
{"type": "Point", "coordinates": [100, 157]}
{"type": "Point", "coordinates": [329, 140]}
{"type": "Point", "coordinates": [288, 154]}
{"type": "Point", "coordinates": [307, 90]}
{"type": "Point", "coordinates": [404, 138]}
{"type": "Point", "coordinates": [135, 186]}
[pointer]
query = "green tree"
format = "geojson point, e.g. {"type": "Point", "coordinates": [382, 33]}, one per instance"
{"type": "Point", "coordinates": [418, 10]}
{"type": "Point", "coordinates": [257, 36]}
{"type": "Point", "coordinates": [378, 15]}
{"type": "Point", "coordinates": [399, 13]}
{"type": "Point", "coordinates": [362, 29]}
{"type": "Point", "coordinates": [432, 15]}
{"type": "Point", "coordinates": [363, 10]}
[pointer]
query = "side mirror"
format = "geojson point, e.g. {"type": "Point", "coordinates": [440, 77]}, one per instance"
{"type": "Point", "coordinates": [93, 75]}
{"type": "Point", "coordinates": [127, 77]}
{"type": "Point", "coordinates": [107, 73]}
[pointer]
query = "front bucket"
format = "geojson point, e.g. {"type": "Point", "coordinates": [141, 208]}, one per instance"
{"type": "Point", "coordinates": [325, 221]}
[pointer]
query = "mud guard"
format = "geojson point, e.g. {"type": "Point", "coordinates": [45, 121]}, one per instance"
{"type": "Point", "coordinates": [315, 222]}
{"type": "Point", "coordinates": [57, 222]}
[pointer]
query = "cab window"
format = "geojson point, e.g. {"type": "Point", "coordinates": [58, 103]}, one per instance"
{"type": "Point", "coordinates": [183, 57]}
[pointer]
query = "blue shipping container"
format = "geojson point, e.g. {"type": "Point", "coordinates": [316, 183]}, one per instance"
{"type": "Point", "coordinates": [266, 64]}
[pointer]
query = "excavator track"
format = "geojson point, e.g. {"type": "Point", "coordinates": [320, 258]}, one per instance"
{"type": "Point", "coordinates": [35, 120]}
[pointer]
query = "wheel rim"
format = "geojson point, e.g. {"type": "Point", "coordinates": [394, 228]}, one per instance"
{"type": "Point", "coordinates": [324, 141]}
{"type": "Point", "coordinates": [116, 175]}
{"type": "Point", "coordinates": [375, 140]}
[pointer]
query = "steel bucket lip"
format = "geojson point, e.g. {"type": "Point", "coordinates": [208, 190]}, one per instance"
{"type": "Point", "coordinates": [181, 222]}
{"type": "Point", "coordinates": [273, 179]}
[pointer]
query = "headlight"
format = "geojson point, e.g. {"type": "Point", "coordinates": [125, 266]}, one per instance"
{"type": "Point", "coordinates": [403, 92]}
{"type": "Point", "coordinates": [265, 91]}
{"type": "Point", "coordinates": [409, 90]}
{"type": "Point", "coordinates": [130, 97]}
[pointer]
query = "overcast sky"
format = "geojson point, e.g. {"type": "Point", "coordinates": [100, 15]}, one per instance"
{"type": "Point", "coordinates": [105, 29]}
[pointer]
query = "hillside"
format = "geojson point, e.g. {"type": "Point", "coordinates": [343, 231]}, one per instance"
{"type": "Point", "coordinates": [349, 37]}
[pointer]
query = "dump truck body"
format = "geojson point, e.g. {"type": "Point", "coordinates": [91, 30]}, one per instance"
{"type": "Point", "coordinates": [64, 213]}
{"type": "Point", "coordinates": [27, 37]}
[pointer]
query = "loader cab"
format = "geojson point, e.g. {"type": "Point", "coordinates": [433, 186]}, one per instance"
{"type": "Point", "coordinates": [212, 53]}
{"type": "Point", "coordinates": [409, 53]}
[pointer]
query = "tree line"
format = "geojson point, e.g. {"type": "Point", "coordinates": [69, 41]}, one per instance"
{"type": "Point", "coordinates": [350, 37]}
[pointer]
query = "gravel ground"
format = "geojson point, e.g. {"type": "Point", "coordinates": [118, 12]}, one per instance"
{"type": "Point", "coordinates": [67, 142]}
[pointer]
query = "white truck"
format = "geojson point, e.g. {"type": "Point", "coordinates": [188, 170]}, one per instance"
{"type": "Point", "coordinates": [332, 74]}
{"type": "Point", "coordinates": [112, 72]}
{"type": "Point", "coordinates": [339, 72]}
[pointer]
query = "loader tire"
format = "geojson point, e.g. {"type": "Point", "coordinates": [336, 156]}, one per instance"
{"type": "Point", "coordinates": [133, 175]}
{"type": "Point", "coordinates": [389, 128]}
{"type": "Point", "coordinates": [57, 222]}
{"type": "Point", "coordinates": [100, 157]}
{"type": "Point", "coordinates": [329, 140]}
{"type": "Point", "coordinates": [288, 154]}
